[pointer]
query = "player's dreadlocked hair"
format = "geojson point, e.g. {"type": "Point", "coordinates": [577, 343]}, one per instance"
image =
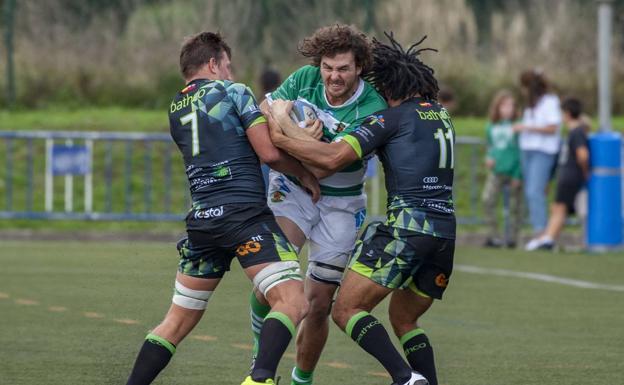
{"type": "Point", "coordinates": [398, 74]}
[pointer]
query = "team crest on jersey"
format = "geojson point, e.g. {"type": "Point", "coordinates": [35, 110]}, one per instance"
{"type": "Point", "coordinates": [189, 88]}
{"type": "Point", "coordinates": [277, 196]}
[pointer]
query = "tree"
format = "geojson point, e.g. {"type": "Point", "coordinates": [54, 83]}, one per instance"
{"type": "Point", "coordinates": [8, 18]}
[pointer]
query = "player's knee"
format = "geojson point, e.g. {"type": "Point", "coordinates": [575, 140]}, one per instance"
{"type": "Point", "coordinates": [340, 315]}
{"type": "Point", "coordinates": [189, 298]}
{"type": "Point", "coordinates": [402, 322]}
{"type": "Point", "coordinates": [319, 305]}
{"type": "Point", "coordinates": [318, 309]}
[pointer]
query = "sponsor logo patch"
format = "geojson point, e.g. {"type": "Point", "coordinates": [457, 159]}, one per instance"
{"type": "Point", "coordinates": [441, 280]}
{"type": "Point", "coordinates": [212, 212]}
{"type": "Point", "coordinates": [248, 247]}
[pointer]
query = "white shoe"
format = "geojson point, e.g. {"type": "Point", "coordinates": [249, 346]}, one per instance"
{"type": "Point", "coordinates": [417, 379]}
{"type": "Point", "coordinates": [532, 244]}
{"type": "Point", "coordinates": [539, 243]}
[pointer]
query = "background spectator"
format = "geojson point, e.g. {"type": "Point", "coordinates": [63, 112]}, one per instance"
{"type": "Point", "coordinates": [503, 163]}
{"type": "Point", "coordinates": [539, 143]}
{"type": "Point", "coordinates": [572, 174]}
{"type": "Point", "coordinates": [446, 97]}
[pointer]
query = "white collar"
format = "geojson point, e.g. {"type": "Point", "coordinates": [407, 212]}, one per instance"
{"type": "Point", "coordinates": [352, 99]}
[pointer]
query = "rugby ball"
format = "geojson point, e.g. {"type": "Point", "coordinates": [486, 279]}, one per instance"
{"type": "Point", "coordinates": [302, 111]}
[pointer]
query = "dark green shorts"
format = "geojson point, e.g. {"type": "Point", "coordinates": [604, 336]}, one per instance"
{"type": "Point", "coordinates": [398, 258]}
{"type": "Point", "coordinates": [216, 235]}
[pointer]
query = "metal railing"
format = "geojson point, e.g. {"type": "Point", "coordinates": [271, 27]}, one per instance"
{"type": "Point", "coordinates": [118, 178]}
{"type": "Point", "coordinates": [140, 176]}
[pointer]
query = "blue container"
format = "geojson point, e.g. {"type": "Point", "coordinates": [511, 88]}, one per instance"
{"type": "Point", "coordinates": [604, 217]}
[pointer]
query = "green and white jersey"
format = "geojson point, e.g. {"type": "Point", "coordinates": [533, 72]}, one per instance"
{"type": "Point", "coordinates": [306, 84]}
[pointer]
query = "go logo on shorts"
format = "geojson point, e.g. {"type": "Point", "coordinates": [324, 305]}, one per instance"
{"type": "Point", "coordinates": [252, 246]}
{"type": "Point", "coordinates": [441, 280]}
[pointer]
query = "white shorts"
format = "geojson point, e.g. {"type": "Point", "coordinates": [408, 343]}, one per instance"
{"type": "Point", "coordinates": [331, 225]}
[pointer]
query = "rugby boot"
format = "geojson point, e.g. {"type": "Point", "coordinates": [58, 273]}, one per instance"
{"type": "Point", "coordinates": [250, 381]}
{"type": "Point", "coordinates": [415, 379]}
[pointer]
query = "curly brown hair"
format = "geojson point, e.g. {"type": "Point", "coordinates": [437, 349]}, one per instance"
{"type": "Point", "coordinates": [335, 39]}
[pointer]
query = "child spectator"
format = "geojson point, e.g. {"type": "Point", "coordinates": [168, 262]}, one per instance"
{"type": "Point", "coordinates": [572, 174]}
{"type": "Point", "coordinates": [503, 164]}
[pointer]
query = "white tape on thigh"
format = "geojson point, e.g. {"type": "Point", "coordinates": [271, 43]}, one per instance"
{"type": "Point", "coordinates": [325, 273]}
{"type": "Point", "coordinates": [189, 298]}
{"type": "Point", "coordinates": [276, 273]}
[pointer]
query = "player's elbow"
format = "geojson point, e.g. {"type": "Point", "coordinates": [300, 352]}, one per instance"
{"type": "Point", "coordinates": [269, 156]}
{"type": "Point", "coordinates": [329, 164]}
{"type": "Point", "coordinates": [338, 160]}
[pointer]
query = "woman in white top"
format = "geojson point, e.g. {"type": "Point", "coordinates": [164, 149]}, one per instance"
{"type": "Point", "coordinates": [539, 143]}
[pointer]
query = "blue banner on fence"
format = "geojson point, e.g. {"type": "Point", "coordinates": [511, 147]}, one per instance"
{"type": "Point", "coordinates": [70, 160]}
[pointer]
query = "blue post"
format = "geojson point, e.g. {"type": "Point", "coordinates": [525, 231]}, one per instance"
{"type": "Point", "coordinates": [167, 182]}
{"type": "Point", "coordinates": [604, 219]}
{"type": "Point", "coordinates": [31, 176]}
{"type": "Point", "coordinates": [9, 174]}
{"type": "Point", "coordinates": [147, 188]}
{"type": "Point", "coordinates": [108, 176]}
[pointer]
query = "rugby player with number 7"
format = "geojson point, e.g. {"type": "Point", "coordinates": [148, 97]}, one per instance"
{"type": "Point", "coordinates": [223, 136]}
{"type": "Point", "coordinates": [410, 256]}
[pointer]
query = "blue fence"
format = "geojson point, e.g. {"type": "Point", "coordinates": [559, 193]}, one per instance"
{"type": "Point", "coordinates": [92, 176]}
{"type": "Point", "coordinates": [140, 176]}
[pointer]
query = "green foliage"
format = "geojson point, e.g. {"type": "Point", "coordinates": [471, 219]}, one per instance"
{"type": "Point", "coordinates": [104, 53]}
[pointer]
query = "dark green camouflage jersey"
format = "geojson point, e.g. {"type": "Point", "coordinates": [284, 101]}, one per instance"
{"type": "Point", "coordinates": [414, 142]}
{"type": "Point", "coordinates": [208, 120]}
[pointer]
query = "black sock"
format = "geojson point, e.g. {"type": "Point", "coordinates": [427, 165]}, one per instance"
{"type": "Point", "coordinates": [419, 354]}
{"type": "Point", "coordinates": [153, 357]}
{"type": "Point", "coordinates": [275, 336]}
{"type": "Point", "coordinates": [370, 334]}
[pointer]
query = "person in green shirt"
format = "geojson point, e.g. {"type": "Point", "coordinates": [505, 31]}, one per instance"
{"type": "Point", "coordinates": [503, 164]}
{"type": "Point", "coordinates": [332, 84]}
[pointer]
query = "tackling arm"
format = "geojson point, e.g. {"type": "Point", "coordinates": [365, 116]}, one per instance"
{"type": "Point", "coordinates": [258, 136]}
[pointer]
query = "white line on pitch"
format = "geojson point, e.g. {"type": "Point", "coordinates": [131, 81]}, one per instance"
{"type": "Point", "coordinates": [538, 277]}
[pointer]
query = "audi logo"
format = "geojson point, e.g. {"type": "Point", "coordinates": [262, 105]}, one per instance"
{"type": "Point", "coordinates": [430, 179]}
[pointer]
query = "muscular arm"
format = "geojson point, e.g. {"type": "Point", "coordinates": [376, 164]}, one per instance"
{"type": "Point", "coordinates": [317, 172]}
{"type": "Point", "coordinates": [260, 140]}
{"type": "Point", "coordinates": [312, 132]}
{"type": "Point", "coordinates": [327, 157]}
{"type": "Point", "coordinates": [278, 160]}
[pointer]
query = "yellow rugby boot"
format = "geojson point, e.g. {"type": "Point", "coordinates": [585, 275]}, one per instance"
{"type": "Point", "coordinates": [250, 381]}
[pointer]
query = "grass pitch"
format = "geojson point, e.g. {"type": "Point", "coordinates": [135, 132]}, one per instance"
{"type": "Point", "coordinates": [76, 313]}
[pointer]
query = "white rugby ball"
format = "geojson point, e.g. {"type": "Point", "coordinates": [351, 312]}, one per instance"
{"type": "Point", "coordinates": [302, 111]}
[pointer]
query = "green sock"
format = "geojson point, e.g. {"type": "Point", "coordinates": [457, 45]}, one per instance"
{"type": "Point", "coordinates": [301, 377]}
{"type": "Point", "coordinates": [258, 312]}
